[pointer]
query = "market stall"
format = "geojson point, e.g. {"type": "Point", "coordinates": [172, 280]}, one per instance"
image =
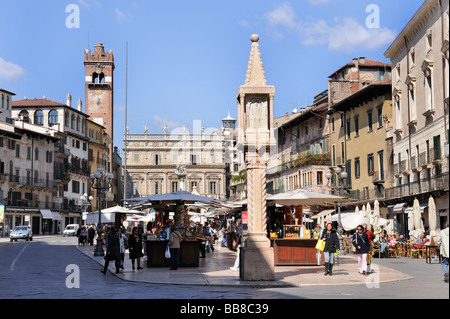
{"type": "Point", "coordinates": [294, 246]}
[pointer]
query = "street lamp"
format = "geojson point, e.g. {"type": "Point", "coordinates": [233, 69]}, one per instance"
{"type": "Point", "coordinates": [100, 181]}
{"type": "Point", "coordinates": [86, 201]}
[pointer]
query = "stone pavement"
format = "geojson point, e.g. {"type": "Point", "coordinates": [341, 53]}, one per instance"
{"type": "Point", "coordinates": [214, 270]}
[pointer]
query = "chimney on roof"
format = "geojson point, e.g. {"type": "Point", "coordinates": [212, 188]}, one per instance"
{"type": "Point", "coordinates": [69, 100]}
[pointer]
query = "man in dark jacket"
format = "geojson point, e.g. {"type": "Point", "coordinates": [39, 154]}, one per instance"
{"type": "Point", "coordinates": [361, 243]}
{"type": "Point", "coordinates": [331, 246]}
{"type": "Point", "coordinates": [91, 235]}
{"type": "Point", "coordinates": [112, 251]}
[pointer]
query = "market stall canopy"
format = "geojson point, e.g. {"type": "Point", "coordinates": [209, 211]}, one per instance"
{"type": "Point", "coordinates": [300, 197]}
{"type": "Point", "coordinates": [121, 210]}
{"type": "Point", "coordinates": [324, 213]}
{"type": "Point", "coordinates": [169, 198]}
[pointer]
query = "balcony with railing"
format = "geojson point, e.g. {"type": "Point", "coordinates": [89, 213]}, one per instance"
{"type": "Point", "coordinates": [435, 183]}
{"type": "Point", "coordinates": [62, 152]}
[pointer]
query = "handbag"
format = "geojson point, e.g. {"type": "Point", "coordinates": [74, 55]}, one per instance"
{"type": "Point", "coordinates": [320, 244]}
{"type": "Point", "coordinates": [167, 254]}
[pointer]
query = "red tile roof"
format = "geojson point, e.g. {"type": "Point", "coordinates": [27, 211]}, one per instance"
{"type": "Point", "coordinates": [363, 62]}
{"type": "Point", "coordinates": [36, 102]}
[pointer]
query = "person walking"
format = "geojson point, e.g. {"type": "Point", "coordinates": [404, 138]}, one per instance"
{"type": "Point", "coordinates": [91, 235]}
{"type": "Point", "coordinates": [361, 243]}
{"type": "Point", "coordinates": [371, 237]}
{"type": "Point", "coordinates": [442, 242]}
{"type": "Point", "coordinates": [112, 250]}
{"type": "Point", "coordinates": [135, 248]}
{"type": "Point", "coordinates": [123, 240]}
{"type": "Point", "coordinates": [83, 236]}
{"type": "Point", "coordinates": [331, 246]}
{"type": "Point", "coordinates": [175, 244]}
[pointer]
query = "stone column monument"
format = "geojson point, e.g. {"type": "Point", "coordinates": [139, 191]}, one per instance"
{"type": "Point", "coordinates": [255, 121]}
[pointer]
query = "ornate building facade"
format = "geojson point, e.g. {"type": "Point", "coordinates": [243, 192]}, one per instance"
{"type": "Point", "coordinates": [209, 160]}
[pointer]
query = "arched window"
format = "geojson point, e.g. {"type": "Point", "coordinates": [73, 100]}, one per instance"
{"type": "Point", "coordinates": [78, 123]}
{"type": "Point", "coordinates": [52, 117]}
{"type": "Point", "coordinates": [36, 154]}
{"type": "Point", "coordinates": [66, 119]}
{"type": "Point", "coordinates": [39, 117]}
{"type": "Point", "coordinates": [36, 177]}
{"type": "Point", "coordinates": [25, 116]}
{"type": "Point", "coordinates": [72, 122]}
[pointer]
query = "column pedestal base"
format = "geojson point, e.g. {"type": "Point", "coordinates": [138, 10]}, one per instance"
{"type": "Point", "coordinates": [257, 260]}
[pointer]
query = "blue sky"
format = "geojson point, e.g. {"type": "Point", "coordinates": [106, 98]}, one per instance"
{"type": "Point", "coordinates": [187, 59]}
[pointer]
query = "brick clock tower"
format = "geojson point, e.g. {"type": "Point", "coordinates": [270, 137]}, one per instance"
{"type": "Point", "coordinates": [99, 87]}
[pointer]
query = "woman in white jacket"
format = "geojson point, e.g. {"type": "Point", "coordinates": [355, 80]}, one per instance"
{"type": "Point", "coordinates": [442, 242]}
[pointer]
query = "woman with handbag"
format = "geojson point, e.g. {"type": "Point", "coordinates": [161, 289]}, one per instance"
{"type": "Point", "coordinates": [331, 240]}
{"type": "Point", "coordinates": [360, 241]}
{"type": "Point", "coordinates": [135, 248]}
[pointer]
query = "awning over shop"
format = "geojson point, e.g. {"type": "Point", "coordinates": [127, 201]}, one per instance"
{"type": "Point", "coordinates": [57, 216]}
{"type": "Point", "coordinates": [398, 208]}
{"type": "Point", "coordinates": [47, 214]}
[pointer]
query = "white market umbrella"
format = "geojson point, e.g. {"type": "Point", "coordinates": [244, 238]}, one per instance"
{"type": "Point", "coordinates": [376, 219]}
{"type": "Point", "coordinates": [350, 222]}
{"type": "Point", "coordinates": [417, 215]}
{"type": "Point", "coordinates": [357, 209]}
{"type": "Point", "coordinates": [432, 216]}
{"type": "Point", "coordinates": [411, 224]}
{"type": "Point", "coordinates": [367, 215]}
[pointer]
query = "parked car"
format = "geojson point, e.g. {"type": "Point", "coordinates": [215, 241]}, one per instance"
{"type": "Point", "coordinates": [21, 232]}
{"type": "Point", "coordinates": [71, 230]}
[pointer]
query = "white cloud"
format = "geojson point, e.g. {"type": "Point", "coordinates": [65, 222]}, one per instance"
{"type": "Point", "coordinates": [346, 35]}
{"type": "Point", "coordinates": [10, 71]}
{"type": "Point", "coordinates": [164, 122]}
{"type": "Point", "coordinates": [122, 17]}
{"type": "Point", "coordinates": [282, 15]}
{"type": "Point", "coordinates": [349, 36]}
{"type": "Point", "coordinates": [88, 3]}
{"type": "Point", "coordinates": [243, 23]}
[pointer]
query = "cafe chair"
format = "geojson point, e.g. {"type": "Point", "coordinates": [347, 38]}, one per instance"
{"type": "Point", "coordinates": [376, 249]}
